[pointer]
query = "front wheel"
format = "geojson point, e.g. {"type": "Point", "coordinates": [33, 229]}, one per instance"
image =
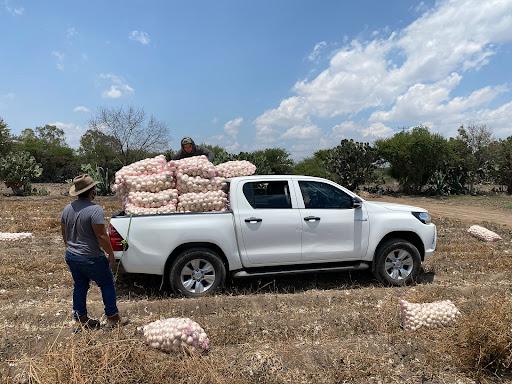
{"type": "Point", "coordinates": [398, 262]}
{"type": "Point", "coordinates": [197, 272]}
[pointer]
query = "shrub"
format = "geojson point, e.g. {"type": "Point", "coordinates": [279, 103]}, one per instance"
{"type": "Point", "coordinates": [17, 169]}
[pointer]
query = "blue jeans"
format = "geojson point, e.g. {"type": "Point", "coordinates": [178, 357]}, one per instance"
{"type": "Point", "coordinates": [83, 271]}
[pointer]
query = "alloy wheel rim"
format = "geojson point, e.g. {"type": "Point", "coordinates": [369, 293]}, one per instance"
{"type": "Point", "coordinates": [197, 276]}
{"type": "Point", "coordinates": [399, 264]}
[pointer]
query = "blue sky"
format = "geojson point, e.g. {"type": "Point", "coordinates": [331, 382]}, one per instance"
{"type": "Point", "coordinates": [247, 75]}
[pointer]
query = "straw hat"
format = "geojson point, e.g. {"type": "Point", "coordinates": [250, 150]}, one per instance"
{"type": "Point", "coordinates": [81, 184]}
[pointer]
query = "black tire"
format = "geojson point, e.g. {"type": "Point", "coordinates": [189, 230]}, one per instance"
{"type": "Point", "coordinates": [197, 272]}
{"type": "Point", "coordinates": [397, 262]}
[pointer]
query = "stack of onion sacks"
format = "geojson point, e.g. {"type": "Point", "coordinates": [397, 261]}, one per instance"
{"type": "Point", "coordinates": [146, 186]}
{"type": "Point", "coordinates": [430, 315]}
{"type": "Point", "coordinates": [199, 189]}
{"type": "Point", "coordinates": [176, 334]}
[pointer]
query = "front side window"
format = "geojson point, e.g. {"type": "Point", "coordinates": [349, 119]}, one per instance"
{"type": "Point", "coordinates": [323, 196]}
{"type": "Point", "coordinates": [268, 194]}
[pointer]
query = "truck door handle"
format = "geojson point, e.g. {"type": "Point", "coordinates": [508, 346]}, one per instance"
{"type": "Point", "coordinates": [311, 218]}
{"type": "Point", "coordinates": [253, 220]}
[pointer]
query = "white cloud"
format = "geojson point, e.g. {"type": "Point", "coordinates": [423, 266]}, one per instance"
{"type": "Point", "coordinates": [140, 36]}
{"type": "Point", "coordinates": [302, 132]}
{"type": "Point", "coordinates": [433, 101]}
{"type": "Point", "coordinates": [71, 32]}
{"type": "Point", "coordinates": [12, 10]}
{"type": "Point", "coordinates": [412, 74]}
{"type": "Point", "coordinates": [231, 127]}
{"type": "Point", "coordinates": [232, 148]}
{"type": "Point", "coordinates": [81, 109]}
{"type": "Point", "coordinates": [118, 86]}
{"type": "Point", "coordinates": [358, 132]}
{"type": "Point", "coordinates": [217, 138]}
{"type": "Point", "coordinates": [377, 130]}
{"type": "Point", "coordinates": [497, 119]}
{"type": "Point", "coordinates": [73, 133]}
{"type": "Point", "coordinates": [316, 51]}
{"type": "Point", "coordinates": [60, 59]}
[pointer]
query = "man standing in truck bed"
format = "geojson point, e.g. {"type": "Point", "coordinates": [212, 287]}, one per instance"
{"type": "Point", "coordinates": [189, 149]}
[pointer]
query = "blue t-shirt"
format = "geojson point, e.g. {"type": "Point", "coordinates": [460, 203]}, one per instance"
{"type": "Point", "coordinates": [78, 218]}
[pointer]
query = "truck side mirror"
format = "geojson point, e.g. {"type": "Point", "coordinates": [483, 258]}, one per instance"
{"type": "Point", "coordinates": [357, 202]}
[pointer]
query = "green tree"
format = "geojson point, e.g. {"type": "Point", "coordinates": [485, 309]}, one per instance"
{"type": "Point", "coordinates": [5, 138]}
{"type": "Point", "coordinates": [257, 158]}
{"type": "Point", "coordinates": [503, 169]}
{"type": "Point", "coordinates": [277, 159]}
{"type": "Point", "coordinates": [473, 149]}
{"type": "Point", "coordinates": [221, 155]}
{"type": "Point", "coordinates": [136, 133]}
{"type": "Point", "coordinates": [414, 156]}
{"type": "Point", "coordinates": [48, 146]}
{"type": "Point", "coordinates": [353, 163]}
{"type": "Point", "coordinates": [17, 169]}
{"type": "Point", "coordinates": [314, 166]}
{"type": "Point", "coordinates": [100, 150]}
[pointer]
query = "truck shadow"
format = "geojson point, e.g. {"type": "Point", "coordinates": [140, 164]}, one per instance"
{"type": "Point", "coordinates": [140, 286]}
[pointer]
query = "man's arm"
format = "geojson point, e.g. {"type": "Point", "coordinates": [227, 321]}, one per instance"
{"type": "Point", "coordinates": [205, 151]}
{"type": "Point", "coordinates": [63, 231]}
{"type": "Point", "coordinates": [178, 155]}
{"type": "Point", "coordinates": [101, 233]}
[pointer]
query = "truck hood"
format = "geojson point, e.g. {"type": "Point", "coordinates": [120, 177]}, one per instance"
{"type": "Point", "coordinates": [396, 207]}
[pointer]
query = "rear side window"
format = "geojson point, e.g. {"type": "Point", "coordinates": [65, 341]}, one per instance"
{"type": "Point", "coordinates": [268, 194]}
{"type": "Point", "coordinates": [319, 195]}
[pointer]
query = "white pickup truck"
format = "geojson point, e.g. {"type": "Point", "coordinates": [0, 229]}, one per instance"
{"type": "Point", "coordinates": [276, 225]}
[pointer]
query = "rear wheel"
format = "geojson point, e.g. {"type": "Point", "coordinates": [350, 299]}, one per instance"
{"type": "Point", "coordinates": [398, 262]}
{"type": "Point", "coordinates": [197, 272]}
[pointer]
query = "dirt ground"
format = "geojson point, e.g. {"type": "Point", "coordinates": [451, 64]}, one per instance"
{"type": "Point", "coordinates": [315, 328]}
{"type": "Point", "coordinates": [461, 212]}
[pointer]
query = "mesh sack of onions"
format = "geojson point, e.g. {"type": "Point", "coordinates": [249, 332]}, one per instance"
{"type": "Point", "coordinates": [235, 168]}
{"type": "Point", "coordinates": [149, 175]}
{"type": "Point", "coordinates": [153, 200]}
{"type": "Point", "coordinates": [145, 167]}
{"type": "Point", "coordinates": [483, 233]}
{"type": "Point", "coordinates": [176, 334]}
{"type": "Point", "coordinates": [7, 236]}
{"type": "Point", "coordinates": [202, 201]}
{"type": "Point", "coordinates": [429, 315]}
{"type": "Point", "coordinates": [187, 184]}
{"type": "Point", "coordinates": [195, 166]}
{"type": "Point", "coordinates": [133, 209]}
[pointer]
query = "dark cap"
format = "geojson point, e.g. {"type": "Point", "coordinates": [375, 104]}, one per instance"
{"type": "Point", "coordinates": [187, 140]}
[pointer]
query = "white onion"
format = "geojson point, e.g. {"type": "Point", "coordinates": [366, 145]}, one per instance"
{"type": "Point", "coordinates": [235, 168]}
{"type": "Point", "coordinates": [202, 201]}
{"type": "Point", "coordinates": [429, 315]}
{"type": "Point", "coordinates": [195, 166]}
{"type": "Point", "coordinates": [7, 236]}
{"type": "Point", "coordinates": [483, 233]}
{"type": "Point", "coordinates": [176, 334]}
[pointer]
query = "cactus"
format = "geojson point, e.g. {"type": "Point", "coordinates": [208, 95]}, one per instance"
{"type": "Point", "coordinates": [17, 169]}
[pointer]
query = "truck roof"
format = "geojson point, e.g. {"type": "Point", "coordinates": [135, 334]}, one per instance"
{"type": "Point", "coordinates": [270, 177]}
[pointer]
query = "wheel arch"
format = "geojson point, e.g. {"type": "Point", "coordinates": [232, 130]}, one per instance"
{"type": "Point", "coordinates": [183, 247]}
{"type": "Point", "coordinates": [411, 237]}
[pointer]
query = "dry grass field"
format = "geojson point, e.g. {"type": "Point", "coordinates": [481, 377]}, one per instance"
{"type": "Point", "coordinates": [322, 328]}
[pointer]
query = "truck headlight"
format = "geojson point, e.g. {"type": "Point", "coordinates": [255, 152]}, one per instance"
{"type": "Point", "coordinates": [424, 217]}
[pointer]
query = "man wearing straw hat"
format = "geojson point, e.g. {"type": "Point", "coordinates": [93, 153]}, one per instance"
{"type": "Point", "coordinates": [84, 233]}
